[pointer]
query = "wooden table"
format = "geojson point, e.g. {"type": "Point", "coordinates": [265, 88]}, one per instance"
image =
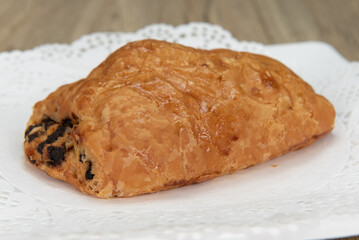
{"type": "Point", "coordinates": [28, 23]}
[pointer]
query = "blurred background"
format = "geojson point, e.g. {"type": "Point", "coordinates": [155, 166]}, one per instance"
{"type": "Point", "coordinates": [25, 24]}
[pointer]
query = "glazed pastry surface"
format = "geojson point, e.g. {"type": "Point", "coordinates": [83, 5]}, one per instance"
{"type": "Point", "coordinates": [157, 115]}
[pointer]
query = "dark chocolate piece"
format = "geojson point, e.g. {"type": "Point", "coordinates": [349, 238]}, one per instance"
{"type": "Point", "coordinates": [59, 132]}
{"type": "Point", "coordinates": [56, 154]}
{"type": "Point", "coordinates": [88, 174]}
{"type": "Point", "coordinates": [29, 129]}
{"type": "Point", "coordinates": [55, 135]}
{"type": "Point", "coordinates": [47, 123]}
{"type": "Point", "coordinates": [32, 136]}
{"type": "Point", "coordinates": [82, 156]}
{"type": "Point", "coordinates": [40, 147]}
{"type": "Point", "coordinates": [31, 160]}
{"type": "Point", "coordinates": [67, 122]}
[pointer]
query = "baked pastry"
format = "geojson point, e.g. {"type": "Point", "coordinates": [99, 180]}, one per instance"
{"type": "Point", "coordinates": [157, 115]}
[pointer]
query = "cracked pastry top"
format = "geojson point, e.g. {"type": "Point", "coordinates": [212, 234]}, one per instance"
{"type": "Point", "coordinates": [157, 115]}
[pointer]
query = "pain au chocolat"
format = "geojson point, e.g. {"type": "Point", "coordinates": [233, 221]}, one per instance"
{"type": "Point", "coordinates": [156, 115]}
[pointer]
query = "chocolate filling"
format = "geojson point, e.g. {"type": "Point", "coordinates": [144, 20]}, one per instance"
{"type": "Point", "coordinates": [59, 132]}
{"type": "Point", "coordinates": [31, 160]}
{"type": "Point", "coordinates": [82, 156]}
{"type": "Point", "coordinates": [88, 174]}
{"type": "Point", "coordinates": [33, 136]}
{"type": "Point", "coordinates": [67, 122]}
{"type": "Point", "coordinates": [56, 154]}
{"type": "Point", "coordinates": [29, 129]}
{"type": "Point", "coordinates": [47, 123]}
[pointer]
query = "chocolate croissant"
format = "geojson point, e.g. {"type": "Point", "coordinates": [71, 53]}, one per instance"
{"type": "Point", "coordinates": [156, 115]}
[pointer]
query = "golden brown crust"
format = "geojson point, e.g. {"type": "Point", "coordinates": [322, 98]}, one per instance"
{"type": "Point", "coordinates": [156, 115]}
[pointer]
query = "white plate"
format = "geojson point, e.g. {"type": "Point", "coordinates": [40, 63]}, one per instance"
{"type": "Point", "coordinates": [311, 193]}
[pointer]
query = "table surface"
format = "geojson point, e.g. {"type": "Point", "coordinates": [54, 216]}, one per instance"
{"type": "Point", "coordinates": [25, 24]}
{"type": "Point", "coordinates": [28, 23]}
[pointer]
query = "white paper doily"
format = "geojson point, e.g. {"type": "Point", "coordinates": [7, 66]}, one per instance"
{"type": "Point", "coordinates": [313, 193]}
